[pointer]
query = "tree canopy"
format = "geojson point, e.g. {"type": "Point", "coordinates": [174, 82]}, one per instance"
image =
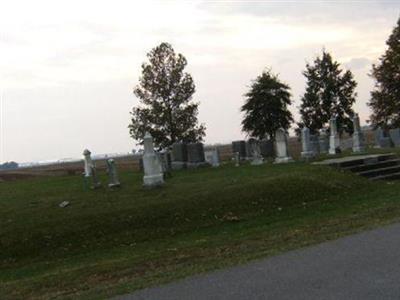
{"type": "Point", "coordinates": [329, 91]}
{"type": "Point", "coordinates": [165, 92]}
{"type": "Point", "coordinates": [266, 107]}
{"type": "Point", "coordinates": [385, 98]}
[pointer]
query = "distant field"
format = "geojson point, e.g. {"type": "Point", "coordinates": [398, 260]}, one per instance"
{"type": "Point", "coordinates": [109, 242]}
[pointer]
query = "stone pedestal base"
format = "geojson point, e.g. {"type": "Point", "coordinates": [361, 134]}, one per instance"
{"type": "Point", "coordinates": [282, 160]}
{"type": "Point", "coordinates": [153, 180]}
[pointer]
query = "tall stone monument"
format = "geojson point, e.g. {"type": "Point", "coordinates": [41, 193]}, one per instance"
{"type": "Point", "coordinates": [88, 163]}
{"type": "Point", "coordinates": [153, 173]}
{"type": "Point", "coordinates": [282, 154]}
{"type": "Point", "coordinates": [90, 174]}
{"type": "Point", "coordinates": [334, 141]}
{"type": "Point", "coordinates": [112, 174]}
{"type": "Point", "coordinates": [306, 144]}
{"type": "Point", "coordinates": [358, 137]}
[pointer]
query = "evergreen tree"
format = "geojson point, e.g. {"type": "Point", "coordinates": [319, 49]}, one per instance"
{"type": "Point", "coordinates": [385, 98]}
{"type": "Point", "coordinates": [329, 92]}
{"type": "Point", "coordinates": [266, 107]}
{"type": "Point", "coordinates": [165, 92]}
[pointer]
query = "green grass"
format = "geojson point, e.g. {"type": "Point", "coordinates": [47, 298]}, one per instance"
{"type": "Point", "coordinates": [109, 242]}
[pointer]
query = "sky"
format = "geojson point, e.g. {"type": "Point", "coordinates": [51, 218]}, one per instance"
{"type": "Point", "coordinates": [68, 68]}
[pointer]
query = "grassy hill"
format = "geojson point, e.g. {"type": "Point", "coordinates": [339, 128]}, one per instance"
{"type": "Point", "coordinates": [108, 242]}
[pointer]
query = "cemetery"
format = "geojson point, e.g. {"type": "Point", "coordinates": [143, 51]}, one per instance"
{"type": "Point", "coordinates": [187, 211]}
{"type": "Point", "coordinates": [98, 226]}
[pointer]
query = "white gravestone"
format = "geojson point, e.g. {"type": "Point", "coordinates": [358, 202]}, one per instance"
{"type": "Point", "coordinates": [212, 157]}
{"type": "Point", "coordinates": [358, 137]}
{"type": "Point", "coordinates": [90, 171]}
{"type": "Point", "coordinates": [282, 154]}
{"type": "Point", "coordinates": [89, 165]}
{"type": "Point", "coordinates": [256, 158]}
{"type": "Point", "coordinates": [237, 159]}
{"type": "Point", "coordinates": [112, 174]}
{"type": "Point", "coordinates": [153, 172]}
{"type": "Point", "coordinates": [306, 144]}
{"type": "Point", "coordinates": [334, 141]}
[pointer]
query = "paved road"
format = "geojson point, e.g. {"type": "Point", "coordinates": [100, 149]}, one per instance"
{"type": "Point", "coordinates": [362, 266]}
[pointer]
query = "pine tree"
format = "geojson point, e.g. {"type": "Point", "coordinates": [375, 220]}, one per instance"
{"type": "Point", "coordinates": [266, 107]}
{"type": "Point", "coordinates": [385, 98]}
{"type": "Point", "coordinates": [165, 92]}
{"type": "Point", "coordinates": [329, 92]}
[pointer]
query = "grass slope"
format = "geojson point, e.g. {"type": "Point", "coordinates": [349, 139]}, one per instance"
{"type": "Point", "coordinates": [109, 242]}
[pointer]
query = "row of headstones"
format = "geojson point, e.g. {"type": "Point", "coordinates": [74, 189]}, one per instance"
{"type": "Point", "coordinates": [257, 150]}
{"type": "Point", "coordinates": [312, 145]}
{"type": "Point", "coordinates": [311, 148]}
{"type": "Point", "coordinates": [157, 165]}
{"type": "Point", "coordinates": [90, 173]}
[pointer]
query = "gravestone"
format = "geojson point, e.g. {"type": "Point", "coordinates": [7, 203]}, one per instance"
{"type": "Point", "coordinates": [314, 144]}
{"type": "Point", "coordinates": [358, 136]}
{"type": "Point", "coordinates": [179, 156]}
{"type": "Point", "coordinates": [237, 159]}
{"type": "Point", "coordinates": [195, 155]}
{"type": "Point", "coordinates": [334, 141]}
{"type": "Point", "coordinates": [255, 152]}
{"type": "Point", "coordinates": [282, 154]}
{"type": "Point", "coordinates": [346, 144]}
{"type": "Point", "coordinates": [323, 141]}
{"type": "Point", "coordinates": [267, 148]}
{"type": "Point", "coordinates": [88, 163]}
{"type": "Point", "coordinates": [165, 158]}
{"type": "Point", "coordinates": [239, 147]}
{"type": "Point", "coordinates": [306, 144]}
{"type": "Point", "coordinates": [212, 157]}
{"type": "Point", "coordinates": [395, 136]}
{"type": "Point", "coordinates": [153, 173]}
{"type": "Point", "coordinates": [112, 174]}
{"type": "Point", "coordinates": [90, 174]}
{"type": "Point", "coordinates": [381, 139]}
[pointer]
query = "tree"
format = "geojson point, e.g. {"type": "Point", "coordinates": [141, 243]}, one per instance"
{"type": "Point", "coordinates": [266, 107]}
{"type": "Point", "coordinates": [166, 109]}
{"type": "Point", "coordinates": [385, 98]}
{"type": "Point", "coordinates": [329, 92]}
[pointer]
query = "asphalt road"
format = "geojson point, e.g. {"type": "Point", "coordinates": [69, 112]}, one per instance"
{"type": "Point", "coordinates": [362, 266]}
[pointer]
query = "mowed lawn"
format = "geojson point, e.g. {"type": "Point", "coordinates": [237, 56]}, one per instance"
{"type": "Point", "coordinates": [110, 242]}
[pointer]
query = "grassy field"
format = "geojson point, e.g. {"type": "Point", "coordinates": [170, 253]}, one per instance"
{"type": "Point", "coordinates": [110, 242]}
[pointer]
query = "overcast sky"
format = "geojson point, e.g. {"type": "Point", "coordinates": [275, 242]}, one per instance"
{"type": "Point", "coordinates": [68, 68]}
